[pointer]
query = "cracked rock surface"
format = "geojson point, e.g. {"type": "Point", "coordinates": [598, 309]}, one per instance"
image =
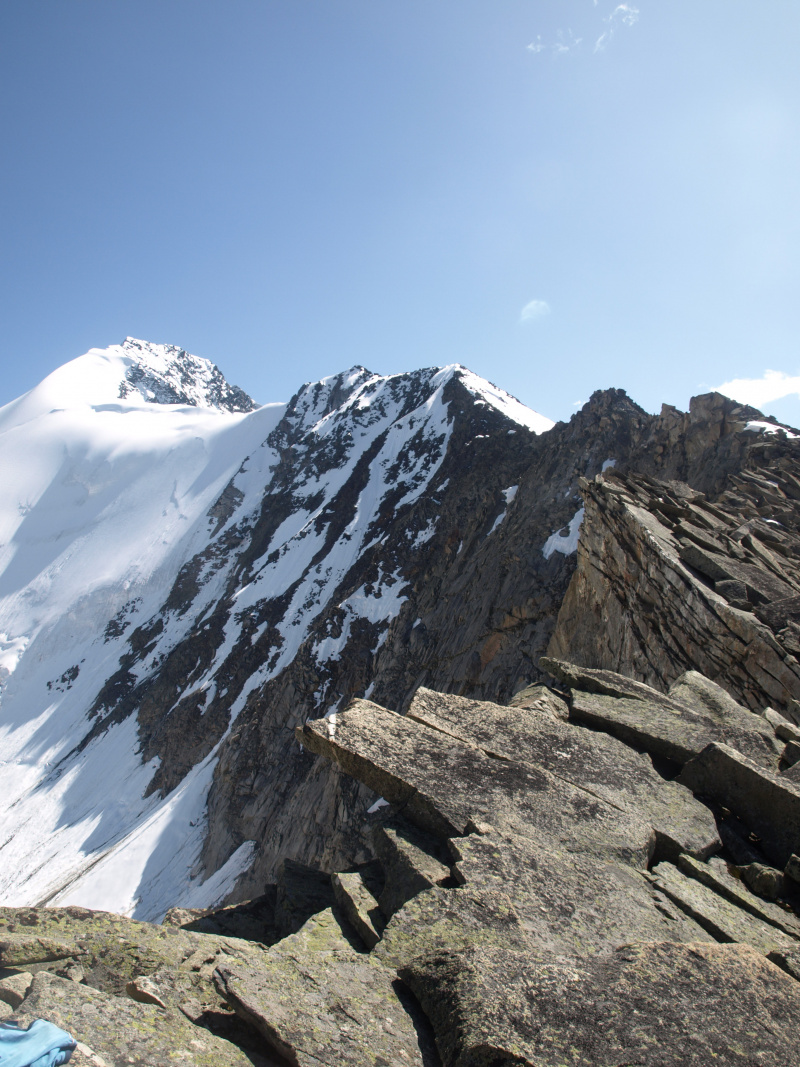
{"type": "Point", "coordinates": [543, 894]}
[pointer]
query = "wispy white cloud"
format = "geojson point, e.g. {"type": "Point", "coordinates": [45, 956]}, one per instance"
{"type": "Point", "coordinates": [772, 385]}
{"type": "Point", "coordinates": [565, 42]}
{"type": "Point", "coordinates": [626, 14]}
{"type": "Point", "coordinates": [534, 309]}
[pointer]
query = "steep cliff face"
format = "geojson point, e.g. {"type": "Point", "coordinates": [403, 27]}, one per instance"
{"type": "Point", "coordinates": [669, 579]}
{"type": "Point", "coordinates": [482, 565]}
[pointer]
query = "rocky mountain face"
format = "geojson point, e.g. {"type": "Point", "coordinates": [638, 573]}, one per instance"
{"type": "Point", "coordinates": [490, 727]}
{"type": "Point", "coordinates": [373, 536]}
{"type": "Point", "coordinates": [164, 374]}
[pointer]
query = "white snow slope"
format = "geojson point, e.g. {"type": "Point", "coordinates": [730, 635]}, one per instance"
{"type": "Point", "coordinates": [105, 491]}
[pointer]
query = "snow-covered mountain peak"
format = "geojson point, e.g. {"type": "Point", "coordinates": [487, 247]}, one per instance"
{"type": "Point", "coordinates": [315, 400]}
{"type": "Point", "coordinates": [135, 374]}
{"type": "Point", "coordinates": [359, 395]}
{"type": "Point", "coordinates": [166, 374]}
{"type": "Point", "coordinates": [502, 401]}
{"type": "Point", "coordinates": [167, 558]}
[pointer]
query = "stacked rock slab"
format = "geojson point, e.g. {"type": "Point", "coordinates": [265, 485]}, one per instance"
{"type": "Point", "coordinates": [580, 931]}
{"type": "Point", "coordinates": [668, 580]}
{"type": "Point", "coordinates": [130, 992]}
{"type": "Point", "coordinates": [550, 888]}
{"type": "Point", "coordinates": [595, 762]}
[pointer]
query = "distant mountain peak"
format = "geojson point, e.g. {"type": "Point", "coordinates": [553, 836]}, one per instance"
{"type": "Point", "coordinates": [166, 374]}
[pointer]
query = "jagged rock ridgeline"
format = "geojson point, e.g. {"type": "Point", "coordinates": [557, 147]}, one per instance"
{"type": "Point", "coordinates": [544, 894]}
{"type": "Point", "coordinates": [374, 535]}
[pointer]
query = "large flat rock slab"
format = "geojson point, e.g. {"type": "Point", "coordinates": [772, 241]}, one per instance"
{"type": "Point", "coordinates": [112, 948]}
{"type": "Point", "coordinates": [648, 1004]}
{"type": "Point", "coordinates": [594, 761]}
{"type": "Point", "coordinates": [316, 1000]}
{"type": "Point", "coordinates": [604, 682]}
{"type": "Point", "coordinates": [768, 803]}
{"type": "Point", "coordinates": [788, 959]}
{"type": "Point", "coordinates": [664, 725]}
{"type": "Point", "coordinates": [18, 950]}
{"type": "Point", "coordinates": [569, 903]}
{"type": "Point", "coordinates": [445, 785]}
{"type": "Point", "coordinates": [717, 876]}
{"type": "Point", "coordinates": [719, 915]}
{"type": "Point", "coordinates": [124, 1033]}
{"type": "Point", "coordinates": [412, 861]}
{"type": "Point", "coordinates": [446, 919]}
{"type": "Point", "coordinates": [675, 735]}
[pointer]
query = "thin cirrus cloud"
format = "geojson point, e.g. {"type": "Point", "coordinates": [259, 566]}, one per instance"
{"type": "Point", "coordinates": [626, 14]}
{"type": "Point", "coordinates": [772, 385]}
{"type": "Point", "coordinates": [534, 309]}
{"type": "Point", "coordinates": [566, 41]}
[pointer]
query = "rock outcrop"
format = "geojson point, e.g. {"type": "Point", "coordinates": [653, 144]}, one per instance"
{"type": "Point", "coordinates": [668, 580]}
{"type": "Point", "coordinates": [546, 891]}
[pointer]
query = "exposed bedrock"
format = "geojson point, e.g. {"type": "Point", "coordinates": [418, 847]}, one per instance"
{"type": "Point", "coordinates": [667, 582]}
{"type": "Point", "coordinates": [483, 598]}
{"type": "Point", "coordinates": [545, 893]}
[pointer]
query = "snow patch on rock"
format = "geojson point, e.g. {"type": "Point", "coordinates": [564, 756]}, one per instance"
{"type": "Point", "coordinates": [566, 539]}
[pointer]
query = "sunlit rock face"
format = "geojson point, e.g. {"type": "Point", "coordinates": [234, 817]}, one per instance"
{"type": "Point", "coordinates": [187, 577]}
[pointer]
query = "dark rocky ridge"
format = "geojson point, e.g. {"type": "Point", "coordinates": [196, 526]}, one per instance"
{"type": "Point", "coordinates": [185, 379]}
{"type": "Point", "coordinates": [668, 580]}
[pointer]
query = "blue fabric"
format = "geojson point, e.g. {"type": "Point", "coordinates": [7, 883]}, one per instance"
{"type": "Point", "coordinates": [41, 1045]}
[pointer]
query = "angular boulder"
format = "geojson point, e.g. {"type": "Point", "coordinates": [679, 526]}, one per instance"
{"type": "Point", "coordinates": [316, 1000]}
{"type": "Point", "coordinates": [122, 1032]}
{"type": "Point", "coordinates": [598, 762]}
{"type": "Point", "coordinates": [649, 1004]}
{"type": "Point", "coordinates": [663, 725]}
{"type": "Point", "coordinates": [717, 914]}
{"type": "Point", "coordinates": [444, 785]}
{"type": "Point", "coordinates": [766, 802]}
{"type": "Point", "coordinates": [569, 903]}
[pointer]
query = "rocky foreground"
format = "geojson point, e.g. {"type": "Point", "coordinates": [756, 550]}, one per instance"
{"type": "Point", "coordinates": [600, 873]}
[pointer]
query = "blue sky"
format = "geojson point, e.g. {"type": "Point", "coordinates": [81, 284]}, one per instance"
{"type": "Point", "coordinates": [563, 195]}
